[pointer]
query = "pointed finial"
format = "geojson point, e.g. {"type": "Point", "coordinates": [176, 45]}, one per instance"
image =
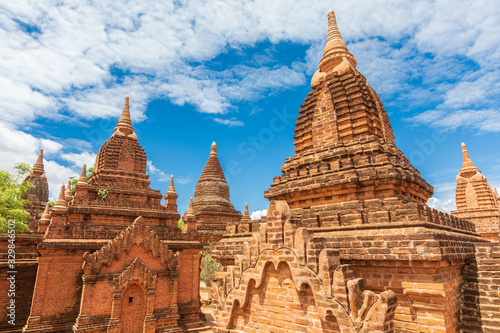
{"type": "Point", "coordinates": [124, 126]}
{"type": "Point", "coordinates": [190, 211]}
{"type": "Point", "coordinates": [83, 176]}
{"type": "Point", "coordinates": [333, 29]}
{"type": "Point", "coordinates": [213, 148]}
{"type": "Point", "coordinates": [171, 187]}
{"type": "Point", "coordinates": [466, 161]}
{"type": "Point", "coordinates": [246, 216]}
{"type": "Point", "coordinates": [46, 213]}
{"type": "Point", "coordinates": [336, 51]}
{"type": "Point", "coordinates": [67, 194]}
{"type": "Point", "coordinates": [61, 201]}
{"type": "Point", "coordinates": [38, 169]}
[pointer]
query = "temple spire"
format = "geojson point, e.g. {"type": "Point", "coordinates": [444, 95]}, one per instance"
{"type": "Point", "coordinates": [171, 187]}
{"type": "Point", "coordinates": [60, 204]}
{"type": "Point", "coordinates": [333, 29]}
{"type": "Point", "coordinates": [171, 197]}
{"type": "Point", "coordinates": [38, 169]}
{"type": "Point", "coordinates": [124, 126]}
{"type": "Point", "coordinates": [336, 57]}
{"type": "Point", "coordinates": [190, 211]}
{"type": "Point", "coordinates": [68, 195]}
{"type": "Point", "coordinates": [466, 161]}
{"type": "Point", "coordinates": [246, 215]}
{"type": "Point", "coordinates": [213, 170]}
{"type": "Point", "coordinates": [83, 176]}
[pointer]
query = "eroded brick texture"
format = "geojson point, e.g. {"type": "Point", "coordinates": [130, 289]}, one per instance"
{"type": "Point", "coordinates": [26, 267]}
{"type": "Point", "coordinates": [358, 227]}
{"type": "Point", "coordinates": [481, 291]}
{"type": "Point", "coordinates": [112, 258]}
{"type": "Point", "coordinates": [287, 280]}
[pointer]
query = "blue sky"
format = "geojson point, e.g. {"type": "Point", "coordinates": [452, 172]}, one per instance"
{"type": "Point", "coordinates": [236, 72]}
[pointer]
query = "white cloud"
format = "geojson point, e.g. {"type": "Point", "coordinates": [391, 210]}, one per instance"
{"type": "Point", "coordinates": [57, 56]}
{"type": "Point", "coordinates": [229, 122]}
{"type": "Point", "coordinates": [258, 214]}
{"type": "Point", "coordinates": [17, 146]}
{"type": "Point", "coordinates": [77, 160]}
{"type": "Point", "coordinates": [481, 120]}
{"type": "Point", "coordinates": [442, 205]}
{"type": "Point", "coordinates": [159, 175]}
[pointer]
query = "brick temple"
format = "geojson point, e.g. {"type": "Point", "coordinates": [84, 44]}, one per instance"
{"type": "Point", "coordinates": [348, 244]}
{"type": "Point", "coordinates": [112, 258]}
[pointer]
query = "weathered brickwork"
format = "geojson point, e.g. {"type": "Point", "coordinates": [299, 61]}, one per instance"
{"type": "Point", "coordinates": [476, 201]}
{"type": "Point", "coordinates": [26, 267]}
{"type": "Point", "coordinates": [481, 291]}
{"type": "Point", "coordinates": [357, 205]}
{"type": "Point", "coordinates": [288, 281]}
{"type": "Point", "coordinates": [349, 244]}
{"type": "Point", "coordinates": [112, 258]}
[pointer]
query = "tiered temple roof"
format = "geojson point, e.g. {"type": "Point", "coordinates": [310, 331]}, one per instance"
{"type": "Point", "coordinates": [344, 144]}
{"type": "Point", "coordinates": [212, 206]}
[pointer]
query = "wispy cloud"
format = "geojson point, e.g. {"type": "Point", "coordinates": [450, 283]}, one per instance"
{"type": "Point", "coordinates": [229, 122]}
{"type": "Point", "coordinates": [157, 173]}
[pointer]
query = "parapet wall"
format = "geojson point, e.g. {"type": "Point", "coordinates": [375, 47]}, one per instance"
{"type": "Point", "coordinates": [377, 211]}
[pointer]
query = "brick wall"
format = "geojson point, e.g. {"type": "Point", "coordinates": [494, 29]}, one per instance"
{"type": "Point", "coordinates": [481, 291]}
{"type": "Point", "coordinates": [277, 306]}
{"type": "Point", "coordinates": [26, 267]}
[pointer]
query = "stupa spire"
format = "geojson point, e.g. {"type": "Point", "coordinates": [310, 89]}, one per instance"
{"type": "Point", "coordinates": [68, 195]}
{"type": "Point", "coordinates": [83, 176]}
{"type": "Point", "coordinates": [213, 169]}
{"type": "Point", "coordinates": [60, 204]}
{"type": "Point", "coordinates": [246, 215]}
{"type": "Point", "coordinates": [45, 219]}
{"type": "Point", "coordinates": [46, 213]}
{"type": "Point", "coordinates": [124, 126]}
{"type": "Point", "coordinates": [333, 29]}
{"type": "Point", "coordinates": [190, 211]}
{"type": "Point", "coordinates": [38, 168]}
{"type": "Point", "coordinates": [466, 161]}
{"type": "Point", "coordinates": [336, 57]}
{"type": "Point", "coordinates": [171, 187]}
{"type": "Point", "coordinates": [171, 197]}
{"type": "Point", "coordinates": [213, 148]}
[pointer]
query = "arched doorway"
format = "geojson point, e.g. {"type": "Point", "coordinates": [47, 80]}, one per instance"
{"type": "Point", "coordinates": [133, 309]}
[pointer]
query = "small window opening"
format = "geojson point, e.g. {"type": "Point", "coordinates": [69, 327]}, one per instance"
{"type": "Point", "coordinates": [130, 299]}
